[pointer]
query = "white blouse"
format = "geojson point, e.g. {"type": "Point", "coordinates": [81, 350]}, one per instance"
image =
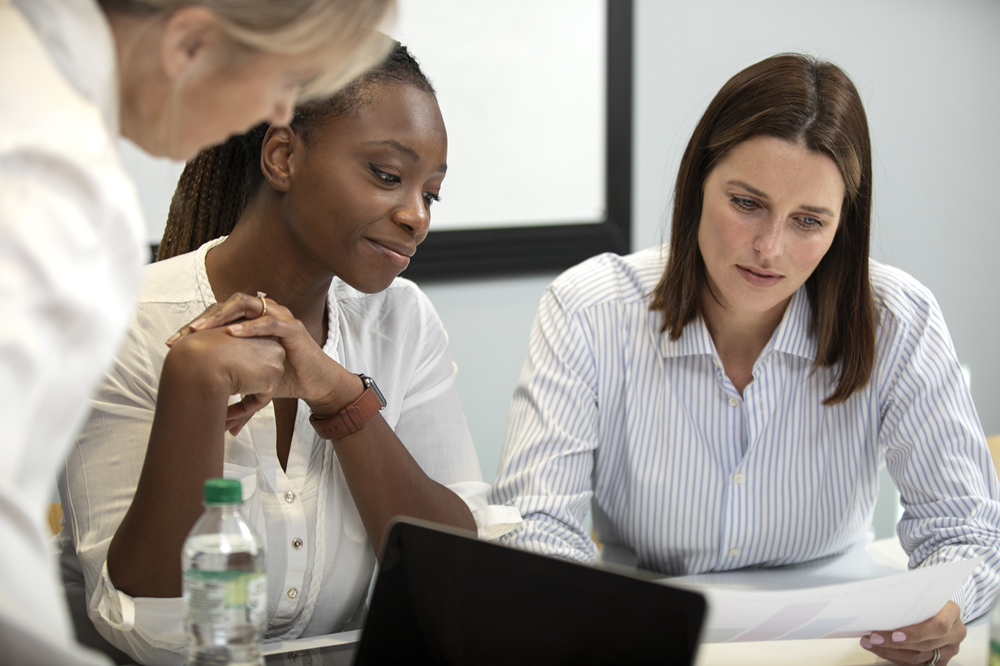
{"type": "Point", "coordinates": [319, 560]}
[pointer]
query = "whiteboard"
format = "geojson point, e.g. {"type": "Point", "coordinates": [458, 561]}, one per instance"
{"type": "Point", "coordinates": [521, 84]}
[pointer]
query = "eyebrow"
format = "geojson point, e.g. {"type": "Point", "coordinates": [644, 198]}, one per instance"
{"type": "Point", "coordinates": [819, 210]}
{"type": "Point", "coordinates": [403, 148]}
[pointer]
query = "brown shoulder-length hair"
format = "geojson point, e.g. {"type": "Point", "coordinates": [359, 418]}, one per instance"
{"type": "Point", "coordinates": [805, 101]}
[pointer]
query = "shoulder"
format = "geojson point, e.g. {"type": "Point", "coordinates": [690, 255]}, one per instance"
{"type": "Point", "coordinates": [899, 295]}
{"type": "Point", "coordinates": [43, 114]}
{"type": "Point", "coordinates": [610, 278]}
{"type": "Point", "coordinates": [173, 280]}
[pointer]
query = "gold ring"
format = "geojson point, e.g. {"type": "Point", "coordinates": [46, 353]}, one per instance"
{"type": "Point", "coordinates": [261, 296]}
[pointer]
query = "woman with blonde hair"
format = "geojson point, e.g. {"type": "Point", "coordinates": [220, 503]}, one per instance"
{"type": "Point", "coordinates": [172, 76]}
{"type": "Point", "coordinates": [729, 400]}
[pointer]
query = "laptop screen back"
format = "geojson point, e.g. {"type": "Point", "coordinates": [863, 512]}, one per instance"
{"type": "Point", "coordinates": [445, 598]}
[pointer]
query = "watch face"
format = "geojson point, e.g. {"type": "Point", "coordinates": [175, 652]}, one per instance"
{"type": "Point", "coordinates": [369, 382]}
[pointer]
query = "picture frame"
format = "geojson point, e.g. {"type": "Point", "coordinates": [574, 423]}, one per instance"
{"type": "Point", "coordinates": [453, 254]}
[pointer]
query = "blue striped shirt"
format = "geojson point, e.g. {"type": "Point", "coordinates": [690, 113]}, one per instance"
{"type": "Point", "coordinates": [692, 477]}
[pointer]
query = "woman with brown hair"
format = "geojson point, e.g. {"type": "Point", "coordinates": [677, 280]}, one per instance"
{"type": "Point", "coordinates": [728, 401]}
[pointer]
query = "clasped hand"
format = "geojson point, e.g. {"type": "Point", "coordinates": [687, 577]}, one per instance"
{"type": "Point", "coordinates": [263, 355]}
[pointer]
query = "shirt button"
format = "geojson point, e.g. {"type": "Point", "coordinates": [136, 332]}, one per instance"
{"type": "Point", "coordinates": [734, 402]}
{"type": "Point", "coordinates": [737, 478]}
{"type": "Point", "coordinates": [732, 553]}
{"type": "Point", "coordinates": [289, 497]}
{"type": "Point", "coordinates": [292, 656]}
{"type": "Point", "coordinates": [296, 543]}
{"type": "Point", "coordinates": [292, 593]}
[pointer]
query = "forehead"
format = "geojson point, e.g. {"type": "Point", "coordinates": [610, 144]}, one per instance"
{"type": "Point", "coordinates": [392, 110]}
{"type": "Point", "coordinates": [783, 169]}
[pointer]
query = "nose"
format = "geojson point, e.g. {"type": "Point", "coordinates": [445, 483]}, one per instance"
{"type": "Point", "coordinates": [769, 241]}
{"type": "Point", "coordinates": [414, 215]}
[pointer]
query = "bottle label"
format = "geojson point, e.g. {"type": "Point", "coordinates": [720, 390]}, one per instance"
{"type": "Point", "coordinates": [224, 597]}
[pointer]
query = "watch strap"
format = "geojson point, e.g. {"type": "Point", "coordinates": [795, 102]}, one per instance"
{"type": "Point", "coordinates": [350, 419]}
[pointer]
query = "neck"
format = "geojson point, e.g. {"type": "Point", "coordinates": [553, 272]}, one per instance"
{"type": "Point", "coordinates": [143, 88]}
{"type": "Point", "coordinates": [260, 255]}
{"type": "Point", "coordinates": [739, 337]}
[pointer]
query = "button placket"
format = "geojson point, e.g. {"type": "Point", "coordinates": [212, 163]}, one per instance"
{"type": "Point", "coordinates": [294, 518]}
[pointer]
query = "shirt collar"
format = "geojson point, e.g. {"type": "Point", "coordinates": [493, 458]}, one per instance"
{"type": "Point", "coordinates": [791, 337]}
{"type": "Point", "coordinates": [78, 38]}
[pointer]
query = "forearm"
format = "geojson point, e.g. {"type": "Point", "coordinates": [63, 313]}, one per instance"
{"type": "Point", "coordinates": [386, 482]}
{"type": "Point", "coordinates": [185, 448]}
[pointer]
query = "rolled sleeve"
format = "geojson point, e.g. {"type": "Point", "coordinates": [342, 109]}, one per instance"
{"type": "Point", "coordinates": [548, 455]}
{"type": "Point", "coordinates": [148, 629]}
{"type": "Point", "coordinates": [492, 520]}
{"type": "Point", "coordinates": [936, 450]}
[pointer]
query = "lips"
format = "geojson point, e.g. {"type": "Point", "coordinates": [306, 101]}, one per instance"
{"type": "Point", "coordinates": [396, 253]}
{"type": "Point", "coordinates": [759, 277]}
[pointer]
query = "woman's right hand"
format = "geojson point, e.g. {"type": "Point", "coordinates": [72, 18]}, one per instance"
{"type": "Point", "coordinates": [310, 374]}
{"type": "Point", "coordinates": [216, 361]}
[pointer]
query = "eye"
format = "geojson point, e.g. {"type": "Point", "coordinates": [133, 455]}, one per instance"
{"type": "Point", "coordinates": [430, 198]}
{"type": "Point", "coordinates": [743, 203]}
{"type": "Point", "coordinates": [810, 222]}
{"type": "Point", "coordinates": [384, 176]}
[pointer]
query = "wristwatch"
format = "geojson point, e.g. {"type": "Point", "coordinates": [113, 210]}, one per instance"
{"type": "Point", "coordinates": [353, 417]}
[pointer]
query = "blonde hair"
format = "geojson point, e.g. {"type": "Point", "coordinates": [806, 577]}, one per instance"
{"type": "Point", "coordinates": [350, 29]}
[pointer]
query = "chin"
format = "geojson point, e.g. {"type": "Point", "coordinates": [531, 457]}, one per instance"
{"type": "Point", "coordinates": [371, 286]}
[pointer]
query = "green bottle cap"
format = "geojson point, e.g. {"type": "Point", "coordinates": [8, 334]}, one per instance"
{"type": "Point", "coordinates": [223, 491]}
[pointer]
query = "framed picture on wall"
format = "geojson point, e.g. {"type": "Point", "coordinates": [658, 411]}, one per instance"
{"type": "Point", "coordinates": [537, 99]}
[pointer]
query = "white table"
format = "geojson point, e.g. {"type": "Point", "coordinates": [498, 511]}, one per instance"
{"type": "Point", "coordinates": [886, 555]}
{"type": "Point", "coordinates": [883, 556]}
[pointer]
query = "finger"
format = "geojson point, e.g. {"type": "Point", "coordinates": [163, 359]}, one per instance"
{"type": "Point", "coordinates": [274, 324]}
{"type": "Point", "coordinates": [897, 656]}
{"type": "Point", "coordinates": [234, 427]}
{"type": "Point", "coordinates": [244, 410]}
{"type": "Point", "coordinates": [238, 306]}
{"type": "Point", "coordinates": [901, 641]}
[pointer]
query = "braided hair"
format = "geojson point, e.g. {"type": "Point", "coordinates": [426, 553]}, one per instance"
{"type": "Point", "coordinates": [216, 186]}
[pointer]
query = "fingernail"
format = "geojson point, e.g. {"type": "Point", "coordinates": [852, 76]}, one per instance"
{"type": "Point", "coordinates": [898, 637]}
{"type": "Point", "coordinates": [236, 328]}
{"type": "Point", "coordinates": [876, 639]}
{"type": "Point", "coordinates": [173, 338]}
{"type": "Point", "coordinates": [865, 643]}
{"type": "Point", "coordinates": [196, 324]}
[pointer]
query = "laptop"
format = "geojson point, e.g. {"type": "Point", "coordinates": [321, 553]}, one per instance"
{"type": "Point", "coordinates": [444, 597]}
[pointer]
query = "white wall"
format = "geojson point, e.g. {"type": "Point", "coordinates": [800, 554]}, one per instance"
{"type": "Point", "coordinates": [928, 73]}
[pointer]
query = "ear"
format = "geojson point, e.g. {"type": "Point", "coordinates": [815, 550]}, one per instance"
{"type": "Point", "coordinates": [278, 154]}
{"type": "Point", "coordinates": [190, 35]}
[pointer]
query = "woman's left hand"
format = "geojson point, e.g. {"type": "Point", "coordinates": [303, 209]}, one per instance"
{"type": "Point", "coordinates": [916, 643]}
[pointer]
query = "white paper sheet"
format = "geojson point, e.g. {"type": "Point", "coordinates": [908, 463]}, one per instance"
{"type": "Point", "coordinates": [824, 599]}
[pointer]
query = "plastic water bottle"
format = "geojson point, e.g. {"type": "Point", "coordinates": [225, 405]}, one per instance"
{"type": "Point", "coordinates": [225, 590]}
